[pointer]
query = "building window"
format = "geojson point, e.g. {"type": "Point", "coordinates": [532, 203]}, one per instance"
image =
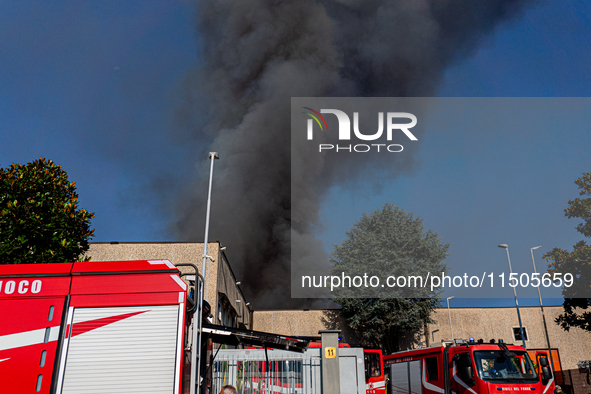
{"type": "Point", "coordinates": [517, 333]}
{"type": "Point", "coordinates": [226, 317]}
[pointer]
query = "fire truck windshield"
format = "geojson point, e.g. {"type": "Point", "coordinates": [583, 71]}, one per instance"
{"type": "Point", "coordinates": [496, 365]}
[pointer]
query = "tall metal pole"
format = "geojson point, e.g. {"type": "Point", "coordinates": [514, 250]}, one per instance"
{"type": "Point", "coordinates": [506, 247]}
{"type": "Point", "coordinates": [212, 156]}
{"type": "Point", "coordinates": [543, 316]}
{"type": "Point", "coordinates": [449, 314]}
{"type": "Point", "coordinates": [200, 380]}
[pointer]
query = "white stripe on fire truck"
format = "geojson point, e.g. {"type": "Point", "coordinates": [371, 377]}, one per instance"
{"type": "Point", "coordinates": [460, 381]}
{"type": "Point", "coordinates": [28, 338]}
{"type": "Point", "coordinates": [4, 359]}
{"type": "Point", "coordinates": [375, 385]}
{"type": "Point", "coordinates": [166, 262]}
{"type": "Point", "coordinates": [35, 337]}
{"type": "Point", "coordinates": [548, 385]}
{"type": "Point", "coordinates": [179, 281]}
{"type": "Point", "coordinates": [179, 350]}
{"type": "Point", "coordinates": [65, 344]}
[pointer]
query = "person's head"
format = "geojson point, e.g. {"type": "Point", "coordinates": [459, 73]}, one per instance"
{"type": "Point", "coordinates": [228, 389]}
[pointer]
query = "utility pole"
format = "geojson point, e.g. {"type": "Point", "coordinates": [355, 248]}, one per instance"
{"type": "Point", "coordinates": [196, 369]}
{"type": "Point", "coordinates": [506, 247]}
{"type": "Point", "coordinates": [543, 315]}
{"type": "Point", "coordinates": [213, 156]}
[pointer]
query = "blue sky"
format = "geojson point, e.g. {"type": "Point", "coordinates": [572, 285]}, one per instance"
{"type": "Point", "coordinates": [92, 86]}
{"type": "Point", "coordinates": [96, 86]}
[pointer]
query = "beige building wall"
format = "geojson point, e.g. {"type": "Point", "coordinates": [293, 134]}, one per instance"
{"type": "Point", "coordinates": [305, 323]}
{"type": "Point", "coordinates": [220, 281]}
{"type": "Point", "coordinates": [289, 322]}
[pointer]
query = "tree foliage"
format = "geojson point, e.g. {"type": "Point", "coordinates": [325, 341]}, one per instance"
{"type": "Point", "coordinates": [39, 217]}
{"type": "Point", "coordinates": [388, 242]}
{"type": "Point", "coordinates": [577, 262]}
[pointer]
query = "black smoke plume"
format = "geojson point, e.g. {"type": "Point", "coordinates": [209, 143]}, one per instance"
{"type": "Point", "coordinates": [256, 55]}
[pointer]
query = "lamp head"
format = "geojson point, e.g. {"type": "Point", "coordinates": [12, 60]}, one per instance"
{"type": "Point", "coordinates": [537, 247]}
{"type": "Point", "coordinates": [504, 246]}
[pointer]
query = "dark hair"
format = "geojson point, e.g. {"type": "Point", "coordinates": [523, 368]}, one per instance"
{"type": "Point", "coordinates": [230, 389]}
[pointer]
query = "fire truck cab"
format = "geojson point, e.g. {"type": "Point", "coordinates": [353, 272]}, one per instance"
{"type": "Point", "coordinates": [467, 367]}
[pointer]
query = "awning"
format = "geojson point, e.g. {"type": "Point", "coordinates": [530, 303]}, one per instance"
{"type": "Point", "coordinates": [236, 336]}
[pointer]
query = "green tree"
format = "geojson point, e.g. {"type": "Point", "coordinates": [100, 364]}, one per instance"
{"type": "Point", "coordinates": [388, 242]}
{"type": "Point", "coordinates": [578, 263]}
{"type": "Point", "coordinates": [39, 217]}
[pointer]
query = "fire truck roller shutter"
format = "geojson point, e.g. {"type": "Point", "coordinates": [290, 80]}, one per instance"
{"type": "Point", "coordinates": [398, 383]}
{"type": "Point", "coordinates": [416, 386]}
{"type": "Point", "coordinates": [122, 350]}
{"type": "Point", "coordinates": [405, 378]}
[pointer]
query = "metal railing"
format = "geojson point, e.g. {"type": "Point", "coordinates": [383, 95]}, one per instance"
{"type": "Point", "coordinates": [252, 371]}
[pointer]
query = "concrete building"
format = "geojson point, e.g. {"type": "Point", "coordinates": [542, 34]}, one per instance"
{"type": "Point", "coordinates": [228, 305]}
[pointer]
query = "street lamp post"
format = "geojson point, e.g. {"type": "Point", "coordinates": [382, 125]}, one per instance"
{"type": "Point", "coordinates": [449, 314]}
{"type": "Point", "coordinates": [506, 247]}
{"type": "Point", "coordinates": [212, 156]}
{"type": "Point", "coordinates": [542, 307]}
{"type": "Point", "coordinates": [195, 386]}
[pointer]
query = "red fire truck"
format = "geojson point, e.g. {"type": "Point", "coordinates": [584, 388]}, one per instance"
{"type": "Point", "coordinates": [374, 371]}
{"type": "Point", "coordinates": [467, 367]}
{"type": "Point", "coordinates": [92, 327]}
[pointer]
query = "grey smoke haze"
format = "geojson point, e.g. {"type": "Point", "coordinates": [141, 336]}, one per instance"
{"type": "Point", "coordinates": [257, 54]}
